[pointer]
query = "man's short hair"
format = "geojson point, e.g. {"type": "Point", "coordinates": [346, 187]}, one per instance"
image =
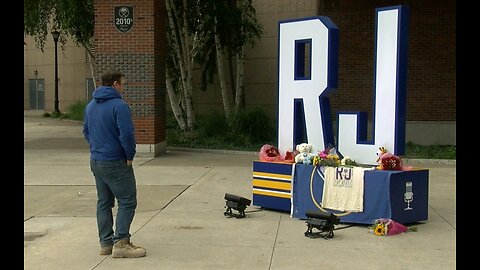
{"type": "Point", "coordinates": [111, 76]}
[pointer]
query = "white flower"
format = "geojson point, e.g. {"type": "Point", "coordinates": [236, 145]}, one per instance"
{"type": "Point", "coordinates": [345, 159]}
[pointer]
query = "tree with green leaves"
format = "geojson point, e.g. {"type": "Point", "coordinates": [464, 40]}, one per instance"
{"type": "Point", "coordinates": [235, 28]}
{"type": "Point", "coordinates": [180, 55]}
{"type": "Point", "coordinates": [72, 18]}
{"type": "Point", "coordinates": [201, 34]}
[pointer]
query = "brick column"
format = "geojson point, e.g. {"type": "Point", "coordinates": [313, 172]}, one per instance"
{"type": "Point", "coordinates": [138, 50]}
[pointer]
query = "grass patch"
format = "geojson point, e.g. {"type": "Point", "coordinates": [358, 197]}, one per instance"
{"type": "Point", "coordinates": [430, 151]}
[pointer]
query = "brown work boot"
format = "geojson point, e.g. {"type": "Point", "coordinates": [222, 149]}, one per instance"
{"type": "Point", "coordinates": [106, 250]}
{"type": "Point", "coordinates": [125, 249]}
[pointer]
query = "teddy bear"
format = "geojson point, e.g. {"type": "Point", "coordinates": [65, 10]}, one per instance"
{"type": "Point", "coordinates": [304, 153]}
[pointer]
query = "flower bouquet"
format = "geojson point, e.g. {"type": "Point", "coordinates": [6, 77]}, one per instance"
{"type": "Point", "coordinates": [386, 227]}
{"type": "Point", "coordinates": [327, 157]}
{"type": "Point", "coordinates": [347, 161]}
{"type": "Point", "coordinates": [269, 153]}
{"type": "Point", "coordinates": [389, 161]}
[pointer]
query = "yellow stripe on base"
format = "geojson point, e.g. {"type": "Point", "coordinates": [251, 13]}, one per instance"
{"type": "Point", "coordinates": [273, 175]}
{"type": "Point", "coordinates": [272, 184]}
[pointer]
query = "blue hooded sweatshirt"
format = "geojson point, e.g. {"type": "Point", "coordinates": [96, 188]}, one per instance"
{"type": "Point", "coordinates": [108, 126]}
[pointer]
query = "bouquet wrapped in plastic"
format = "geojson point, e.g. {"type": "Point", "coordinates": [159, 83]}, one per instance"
{"type": "Point", "coordinates": [386, 227]}
{"type": "Point", "coordinates": [272, 154]}
{"type": "Point", "coordinates": [269, 153]}
{"type": "Point", "coordinates": [389, 161]}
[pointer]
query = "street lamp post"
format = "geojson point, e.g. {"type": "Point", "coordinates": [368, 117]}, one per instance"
{"type": "Point", "coordinates": [55, 35]}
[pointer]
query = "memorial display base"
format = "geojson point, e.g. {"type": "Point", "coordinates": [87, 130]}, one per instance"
{"type": "Point", "coordinates": [272, 185]}
{"type": "Point", "coordinates": [399, 195]}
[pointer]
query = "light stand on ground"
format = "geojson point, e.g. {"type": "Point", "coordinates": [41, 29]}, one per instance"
{"type": "Point", "coordinates": [324, 222]}
{"type": "Point", "coordinates": [237, 203]}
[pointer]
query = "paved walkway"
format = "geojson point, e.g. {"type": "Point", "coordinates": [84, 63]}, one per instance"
{"type": "Point", "coordinates": [180, 217]}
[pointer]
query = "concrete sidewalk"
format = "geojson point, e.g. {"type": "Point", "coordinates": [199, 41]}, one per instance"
{"type": "Point", "coordinates": [180, 218]}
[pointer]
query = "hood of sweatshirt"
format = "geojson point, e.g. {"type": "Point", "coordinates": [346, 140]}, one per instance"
{"type": "Point", "coordinates": [104, 93]}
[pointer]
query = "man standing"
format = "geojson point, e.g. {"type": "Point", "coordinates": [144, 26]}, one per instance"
{"type": "Point", "coordinates": [109, 130]}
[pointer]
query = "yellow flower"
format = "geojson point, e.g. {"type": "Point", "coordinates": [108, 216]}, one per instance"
{"type": "Point", "coordinates": [315, 160]}
{"type": "Point", "coordinates": [334, 157]}
{"type": "Point", "coordinates": [379, 229]}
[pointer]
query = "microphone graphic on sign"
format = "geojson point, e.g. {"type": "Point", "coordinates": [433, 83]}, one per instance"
{"type": "Point", "coordinates": [408, 196]}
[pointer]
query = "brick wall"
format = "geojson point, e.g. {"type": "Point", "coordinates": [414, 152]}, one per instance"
{"type": "Point", "coordinates": [140, 54]}
{"type": "Point", "coordinates": [431, 77]}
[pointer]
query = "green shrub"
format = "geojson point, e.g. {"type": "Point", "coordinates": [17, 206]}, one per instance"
{"type": "Point", "coordinates": [75, 111]}
{"type": "Point", "coordinates": [251, 128]}
{"type": "Point", "coordinates": [213, 124]}
{"type": "Point", "coordinates": [246, 130]}
{"type": "Point", "coordinates": [252, 125]}
{"type": "Point", "coordinates": [171, 122]}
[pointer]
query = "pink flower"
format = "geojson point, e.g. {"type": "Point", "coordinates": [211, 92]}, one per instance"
{"type": "Point", "coordinates": [323, 154]}
{"type": "Point", "coordinates": [392, 227]}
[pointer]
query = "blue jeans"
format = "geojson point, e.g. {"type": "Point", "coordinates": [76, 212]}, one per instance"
{"type": "Point", "coordinates": [114, 180]}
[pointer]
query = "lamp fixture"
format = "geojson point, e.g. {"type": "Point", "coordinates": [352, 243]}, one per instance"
{"type": "Point", "coordinates": [56, 35]}
{"type": "Point", "coordinates": [323, 221]}
{"type": "Point", "coordinates": [235, 202]}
